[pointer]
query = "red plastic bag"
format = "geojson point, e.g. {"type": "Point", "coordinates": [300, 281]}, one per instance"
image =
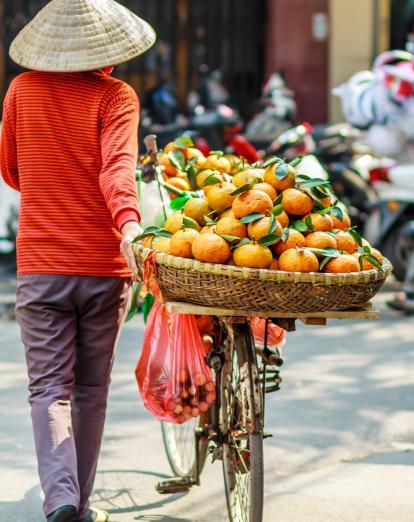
{"type": "Point", "coordinates": [276, 336]}
{"type": "Point", "coordinates": [174, 380]}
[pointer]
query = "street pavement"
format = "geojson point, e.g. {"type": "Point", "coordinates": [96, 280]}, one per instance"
{"type": "Point", "coordinates": [343, 425]}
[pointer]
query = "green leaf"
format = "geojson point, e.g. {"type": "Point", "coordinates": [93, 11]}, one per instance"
{"type": "Point", "coordinates": [179, 203]}
{"type": "Point", "coordinates": [273, 224]}
{"type": "Point", "coordinates": [243, 242]}
{"type": "Point", "coordinates": [269, 240]}
{"type": "Point", "coordinates": [303, 177]}
{"type": "Point", "coordinates": [278, 200]}
{"type": "Point", "coordinates": [324, 262]}
{"type": "Point", "coordinates": [374, 261]}
{"type": "Point", "coordinates": [326, 252]}
{"type": "Point", "coordinates": [142, 236]}
{"type": "Point", "coordinates": [243, 188]}
{"type": "Point", "coordinates": [323, 211]}
{"type": "Point", "coordinates": [320, 192]}
{"type": "Point", "coordinates": [151, 230]}
{"type": "Point", "coordinates": [277, 210]}
{"type": "Point", "coordinates": [356, 236]}
{"type": "Point", "coordinates": [213, 179]}
{"type": "Point", "coordinates": [163, 233]}
{"type": "Point", "coordinates": [314, 182]}
{"type": "Point", "coordinates": [209, 221]}
{"type": "Point", "coordinates": [250, 218]}
{"type": "Point", "coordinates": [285, 234]}
{"type": "Point", "coordinates": [183, 141]}
{"type": "Point", "coordinates": [361, 262]}
{"type": "Point", "coordinates": [189, 223]}
{"type": "Point", "coordinates": [192, 174]}
{"type": "Point", "coordinates": [296, 161]}
{"type": "Point", "coordinates": [230, 239]}
{"type": "Point", "coordinates": [177, 159]}
{"type": "Point", "coordinates": [216, 153]}
{"type": "Point", "coordinates": [300, 226]}
{"type": "Point", "coordinates": [309, 224]}
{"type": "Point", "coordinates": [282, 171]}
{"type": "Point", "coordinates": [337, 212]}
{"type": "Point", "coordinates": [272, 161]}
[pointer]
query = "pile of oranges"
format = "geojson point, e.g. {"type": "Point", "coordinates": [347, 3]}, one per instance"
{"type": "Point", "coordinates": [257, 216]}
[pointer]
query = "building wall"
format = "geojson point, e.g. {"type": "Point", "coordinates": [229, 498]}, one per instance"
{"type": "Point", "coordinates": [359, 31]}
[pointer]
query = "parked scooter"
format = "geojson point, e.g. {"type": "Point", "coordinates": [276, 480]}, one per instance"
{"type": "Point", "coordinates": [390, 225]}
{"type": "Point", "coordinates": [335, 148]}
{"type": "Point", "coordinates": [277, 114]}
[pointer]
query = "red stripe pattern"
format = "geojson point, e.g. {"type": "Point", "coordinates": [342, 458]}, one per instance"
{"type": "Point", "coordinates": [69, 144]}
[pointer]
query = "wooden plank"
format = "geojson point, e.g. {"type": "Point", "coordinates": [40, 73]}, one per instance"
{"type": "Point", "coordinates": [366, 312]}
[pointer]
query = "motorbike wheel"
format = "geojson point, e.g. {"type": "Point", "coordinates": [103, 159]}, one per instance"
{"type": "Point", "coordinates": [399, 246]}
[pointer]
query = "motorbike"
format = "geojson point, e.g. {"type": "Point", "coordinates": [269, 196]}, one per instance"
{"type": "Point", "coordinates": [278, 109]}
{"type": "Point", "coordinates": [337, 148]}
{"type": "Point", "coordinates": [390, 224]}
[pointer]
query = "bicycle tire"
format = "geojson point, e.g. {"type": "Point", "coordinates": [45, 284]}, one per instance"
{"type": "Point", "coordinates": [182, 455]}
{"type": "Point", "coordinates": [243, 449]}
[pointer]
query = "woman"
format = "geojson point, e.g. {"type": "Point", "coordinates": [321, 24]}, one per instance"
{"type": "Point", "coordinates": [69, 145]}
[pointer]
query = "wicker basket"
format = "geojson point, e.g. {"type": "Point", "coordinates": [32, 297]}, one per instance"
{"type": "Point", "coordinates": [226, 286]}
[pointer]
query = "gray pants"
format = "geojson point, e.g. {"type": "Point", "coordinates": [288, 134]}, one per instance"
{"type": "Point", "coordinates": [408, 285]}
{"type": "Point", "coordinates": [69, 327]}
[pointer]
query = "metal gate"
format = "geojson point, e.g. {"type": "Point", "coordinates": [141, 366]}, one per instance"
{"type": "Point", "coordinates": [224, 34]}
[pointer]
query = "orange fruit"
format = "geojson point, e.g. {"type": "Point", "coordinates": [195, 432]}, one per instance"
{"type": "Point", "coordinates": [197, 208]}
{"type": "Point", "coordinates": [251, 201]}
{"type": "Point", "coordinates": [180, 183]}
{"type": "Point", "coordinates": [345, 241]}
{"type": "Point", "coordinates": [294, 239]}
{"type": "Point", "coordinates": [219, 196]}
{"type": "Point", "coordinates": [252, 255]}
{"type": "Point", "coordinates": [208, 229]}
{"type": "Point", "coordinates": [268, 189]}
{"type": "Point", "coordinates": [320, 240]}
{"type": "Point", "coordinates": [296, 202]}
{"type": "Point", "coordinates": [274, 265]}
{"type": "Point", "coordinates": [192, 152]}
{"type": "Point", "coordinates": [283, 219]}
{"type": "Point", "coordinates": [280, 184]}
{"type": "Point", "coordinates": [251, 176]}
{"type": "Point", "coordinates": [341, 224]}
{"type": "Point", "coordinates": [181, 242]}
{"type": "Point", "coordinates": [367, 265]}
{"type": "Point", "coordinates": [231, 227]}
{"type": "Point", "coordinates": [165, 162]}
{"type": "Point", "coordinates": [162, 244]}
{"type": "Point", "coordinates": [293, 260]}
{"type": "Point", "coordinates": [261, 228]}
{"type": "Point", "coordinates": [320, 222]}
{"type": "Point", "coordinates": [235, 162]}
{"type": "Point", "coordinates": [343, 264]}
{"type": "Point", "coordinates": [211, 248]}
{"type": "Point", "coordinates": [217, 163]}
{"type": "Point", "coordinates": [227, 213]}
{"type": "Point", "coordinates": [203, 175]}
{"type": "Point", "coordinates": [175, 222]}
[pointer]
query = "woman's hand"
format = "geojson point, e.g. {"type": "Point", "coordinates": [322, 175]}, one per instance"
{"type": "Point", "coordinates": [129, 232]}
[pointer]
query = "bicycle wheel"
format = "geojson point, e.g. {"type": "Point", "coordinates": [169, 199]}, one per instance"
{"type": "Point", "coordinates": [242, 421]}
{"type": "Point", "coordinates": [180, 446]}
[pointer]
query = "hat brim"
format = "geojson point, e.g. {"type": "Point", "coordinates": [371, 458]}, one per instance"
{"type": "Point", "coordinates": [75, 36]}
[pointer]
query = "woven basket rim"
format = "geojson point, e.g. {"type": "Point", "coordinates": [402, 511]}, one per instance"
{"type": "Point", "coordinates": [180, 263]}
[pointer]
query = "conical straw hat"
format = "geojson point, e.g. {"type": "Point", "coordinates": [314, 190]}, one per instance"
{"type": "Point", "coordinates": [81, 35]}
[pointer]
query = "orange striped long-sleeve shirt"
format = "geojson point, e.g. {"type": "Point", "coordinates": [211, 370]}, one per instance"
{"type": "Point", "coordinates": [69, 145]}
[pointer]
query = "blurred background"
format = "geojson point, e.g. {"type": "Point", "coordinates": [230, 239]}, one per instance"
{"type": "Point", "coordinates": [315, 43]}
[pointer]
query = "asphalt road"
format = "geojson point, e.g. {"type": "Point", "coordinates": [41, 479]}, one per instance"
{"type": "Point", "coordinates": [343, 425]}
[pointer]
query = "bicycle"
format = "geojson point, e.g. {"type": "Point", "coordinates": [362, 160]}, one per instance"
{"type": "Point", "coordinates": [233, 429]}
